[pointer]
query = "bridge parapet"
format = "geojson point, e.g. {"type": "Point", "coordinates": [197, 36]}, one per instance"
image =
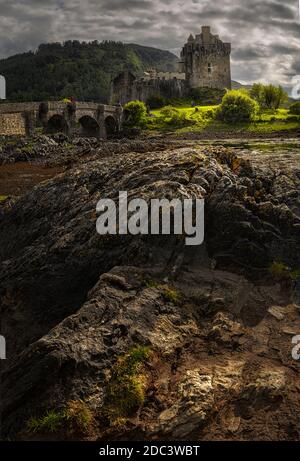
{"type": "Point", "coordinates": [54, 116]}
{"type": "Point", "coordinates": [87, 105]}
{"type": "Point", "coordinates": [10, 108]}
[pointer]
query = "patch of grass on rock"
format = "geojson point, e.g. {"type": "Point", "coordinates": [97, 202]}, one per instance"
{"type": "Point", "coordinates": [170, 294]}
{"type": "Point", "coordinates": [126, 389]}
{"type": "Point", "coordinates": [76, 417]}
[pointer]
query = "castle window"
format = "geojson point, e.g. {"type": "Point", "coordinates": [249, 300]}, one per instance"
{"type": "Point", "coordinates": [209, 67]}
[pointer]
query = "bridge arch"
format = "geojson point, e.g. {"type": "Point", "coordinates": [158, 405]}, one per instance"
{"type": "Point", "coordinates": [111, 126]}
{"type": "Point", "coordinates": [57, 124]}
{"type": "Point", "coordinates": [89, 127]}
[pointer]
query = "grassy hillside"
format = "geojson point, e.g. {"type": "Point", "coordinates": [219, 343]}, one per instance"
{"type": "Point", "coordinates": [199, 119]}
{"type": "Point", "coordinates": [82, 70]}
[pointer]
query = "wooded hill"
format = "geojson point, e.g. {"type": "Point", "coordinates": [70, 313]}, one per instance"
{"type": "Point", "coordinates": [82, 70]}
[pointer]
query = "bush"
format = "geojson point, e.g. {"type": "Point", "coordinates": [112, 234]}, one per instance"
{"type": "Point", "coordinates": [295, 108]}
{"type": "Point", "coordinates": [135, 114]}
{"type": "Point", "coordinates": [237, 107]}
{"type": "Point", "coordinates": [156, 102]}
{"type": "Point", "coordinates": [174, 117]}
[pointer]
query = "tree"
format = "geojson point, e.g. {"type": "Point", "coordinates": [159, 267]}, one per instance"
{"type": "Point", "coordinates": [83, 70]}
{"type": "Point", "coordinates": [257, 93]}
{"type": "Point", "coordinates": [135, 114]}
{"type": "Point", "coordinates": [269, 96]}
{"type": "Point", "coordinates": [274, 96]}
{"type": "Point", "coordinates": [237, 106]}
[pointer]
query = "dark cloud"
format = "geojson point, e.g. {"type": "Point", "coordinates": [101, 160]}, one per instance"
{"type": "Point", "coordinates": [265, 36]}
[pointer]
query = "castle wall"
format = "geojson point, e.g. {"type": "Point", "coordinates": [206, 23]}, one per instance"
{"type": "Point", "coordinates": [153, 75]}
{"type": "Point", "coordinates": [122, 88]}
{"type": "Point", "coordinates": [219, 75]}
{"type": "Point", "coordinates": [12, 124]}
{"type": "Point", "coordinates": [172, 88]}
{"type": "Point", "coordinates": [125, 90]}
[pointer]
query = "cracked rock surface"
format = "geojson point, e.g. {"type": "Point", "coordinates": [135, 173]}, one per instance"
{"type": "Point", "coordinates": [218, 325]}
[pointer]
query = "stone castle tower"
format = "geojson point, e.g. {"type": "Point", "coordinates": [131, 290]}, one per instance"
{"type": "Point", "coordinates": [205, 60]}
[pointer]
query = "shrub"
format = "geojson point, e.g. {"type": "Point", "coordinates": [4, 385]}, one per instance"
{"type": "Point", "coordinates": [174, 117]}
{"type": "Point", "coordinates": [295, 108]}
{"type": "Point", "coordinates": [135, 114]}
{"type": "Point", "coordinates": [237, 107]}
{"type": "Point", "coordinates": [156, 102]}
{"type": "Point", "coordinates": [210, 114]}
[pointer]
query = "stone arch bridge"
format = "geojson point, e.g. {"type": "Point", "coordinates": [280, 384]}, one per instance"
{"type": "Point", "coordinates": [92, 119]}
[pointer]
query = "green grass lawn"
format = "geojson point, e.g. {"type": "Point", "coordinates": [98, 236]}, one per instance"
{"type": "Point", "coordinates": [201, 119]}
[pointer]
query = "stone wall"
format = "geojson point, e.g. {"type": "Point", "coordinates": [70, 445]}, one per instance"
{"type": "Point", "coordinates": [12, 124]}
{"type": "Point", "coordinates": [11, 107]}
{"type": "Point", "coordinates": [126, 87]}
{"type": "Point", "coordinates": [172, 88]}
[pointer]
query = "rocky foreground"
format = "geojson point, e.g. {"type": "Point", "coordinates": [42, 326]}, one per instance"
{"type": "Point", "coordinates": [143, 337]}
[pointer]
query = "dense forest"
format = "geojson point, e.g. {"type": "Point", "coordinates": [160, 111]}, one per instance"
{"type": "Point", "coordinates": [79, 69]}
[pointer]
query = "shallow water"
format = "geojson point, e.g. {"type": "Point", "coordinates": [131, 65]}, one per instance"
{"type": "Point", "coordinates": [282, 153]}
{"type": "Point", "coordinates": [18, 178]}
{"type": "Point", "coordinates": [263, 146]}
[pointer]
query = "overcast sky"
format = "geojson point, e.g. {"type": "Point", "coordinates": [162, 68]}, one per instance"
{"type": "Point", "coordinates": [265, 34]}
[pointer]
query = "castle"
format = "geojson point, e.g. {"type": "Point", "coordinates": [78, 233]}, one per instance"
{"type": "Point", "coordinates": [205, 62]}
